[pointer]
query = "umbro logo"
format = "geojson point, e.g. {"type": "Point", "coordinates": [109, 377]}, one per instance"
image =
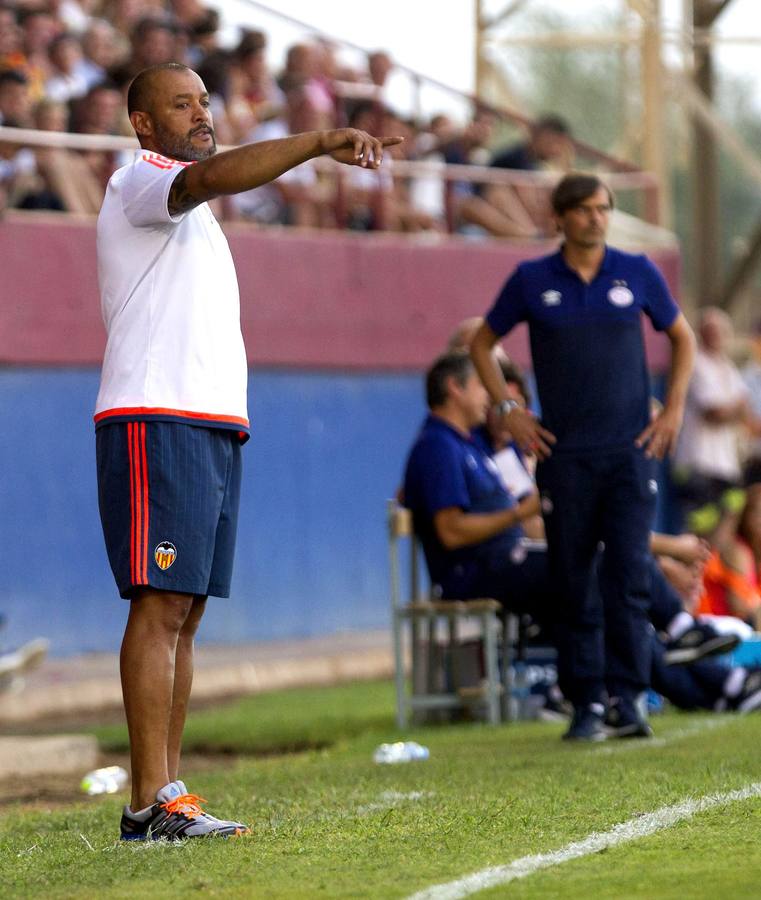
{"type": "Point", "coordinates": [552, 298]}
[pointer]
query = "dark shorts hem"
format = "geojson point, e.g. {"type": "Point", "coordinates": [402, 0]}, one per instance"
{"type": "Point", "coordinates": [128, 591]}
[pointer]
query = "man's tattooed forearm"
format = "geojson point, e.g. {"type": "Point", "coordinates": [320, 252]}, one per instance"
{"type": "Point", "coordinates": [180, 198]}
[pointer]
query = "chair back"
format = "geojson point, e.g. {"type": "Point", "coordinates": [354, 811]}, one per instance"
{"type": "Point", "coordinates": [401, 532]}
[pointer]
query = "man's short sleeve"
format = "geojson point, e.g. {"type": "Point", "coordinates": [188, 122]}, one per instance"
{"type": "Point", "coordinates": [510, 306]}
{"type": "Point", "coordinates": [659, 305]}
{"type": "Point", "coordinates": [145, 191]}
{"type": "Point", "coordinates": [440, 480]}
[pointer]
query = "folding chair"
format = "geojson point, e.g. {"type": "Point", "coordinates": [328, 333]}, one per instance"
{"type": "Point", "coordinates": [424, 614]}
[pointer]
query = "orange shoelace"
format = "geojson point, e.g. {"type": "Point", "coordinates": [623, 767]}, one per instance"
{"type": "Point", "coordinates": [186, 805]}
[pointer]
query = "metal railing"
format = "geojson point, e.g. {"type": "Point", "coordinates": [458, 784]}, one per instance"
{"type": "Point", "coordinates": [642, 184]}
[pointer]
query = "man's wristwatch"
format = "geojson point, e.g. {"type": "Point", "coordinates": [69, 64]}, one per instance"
{"type": "Point", "coordinates": [504, 407]}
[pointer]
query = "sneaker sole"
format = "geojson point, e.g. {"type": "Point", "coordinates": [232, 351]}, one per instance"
{"type": "Point", "coordinates": [239, 832]}
{"type": "Point", "coordinates": [722, 643]}
{"type": "Point", "coordinates": [631, 731]}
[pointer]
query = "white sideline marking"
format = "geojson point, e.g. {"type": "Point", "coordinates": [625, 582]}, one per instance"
{"type": "Point", "coordinates": [632, 830]}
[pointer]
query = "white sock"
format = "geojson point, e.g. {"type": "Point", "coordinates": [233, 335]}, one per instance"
{"type": "Point", "coordinates": [735, 681]}
{"type": "Point", "coordinates": [681, 623]}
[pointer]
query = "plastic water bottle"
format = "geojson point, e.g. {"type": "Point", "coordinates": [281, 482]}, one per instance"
{"type": "Point", "coordinates": [399, 752]}
{"type": "Point", "coordinates": [108, 780]}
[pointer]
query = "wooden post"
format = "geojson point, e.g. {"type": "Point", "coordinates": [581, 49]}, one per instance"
{"type": "Point", "coordinates": [653, 120]}
{"type": "Point", "coordinates": [705, 171]}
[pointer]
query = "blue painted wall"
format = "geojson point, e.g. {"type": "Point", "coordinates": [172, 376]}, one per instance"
{"type": "Point", "coordinates": [326, 451]}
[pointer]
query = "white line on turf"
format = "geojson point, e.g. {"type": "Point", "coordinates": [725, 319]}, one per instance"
{"type": "Point", "coordinates": [631, 830]}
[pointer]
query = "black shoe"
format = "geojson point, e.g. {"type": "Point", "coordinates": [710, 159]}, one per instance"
{"type": "Point", "coordinates": [587, 724]}
{"type": "Point", "coordinates": [699, 641]}
{"type": "Point", "coordinates": [623, 720]}
{"type": "Point", "coordinates": [556, 708]}
{"type": "Point", "coordinates": [749, 698]}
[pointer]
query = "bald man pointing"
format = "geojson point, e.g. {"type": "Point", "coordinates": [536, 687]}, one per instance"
{"type": "Point", "coordinates": [171, 412]}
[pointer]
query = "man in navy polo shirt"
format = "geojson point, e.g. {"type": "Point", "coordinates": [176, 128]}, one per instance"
{"type": "Point", "coordinates": [468, 523]}
{"type": "Point", "coordinates": [596, 440]}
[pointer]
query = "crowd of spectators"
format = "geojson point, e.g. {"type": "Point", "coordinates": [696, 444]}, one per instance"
{"type": "Point", "coordinates": [717, 469]}
{"type": "Point", "coordinates": [65, 65]}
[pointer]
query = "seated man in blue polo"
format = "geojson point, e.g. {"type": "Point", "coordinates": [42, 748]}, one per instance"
{"type": "Point", "coordinates": [467, 521]}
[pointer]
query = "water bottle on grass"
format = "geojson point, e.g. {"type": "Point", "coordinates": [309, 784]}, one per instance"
{"type": "Point", "coordinates": [108, 780]}
{"type": "Point", "coordinates": [399, 752]}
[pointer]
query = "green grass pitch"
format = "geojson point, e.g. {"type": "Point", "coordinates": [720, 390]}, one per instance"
{"type": "Point", "coordinates": [328, 822]}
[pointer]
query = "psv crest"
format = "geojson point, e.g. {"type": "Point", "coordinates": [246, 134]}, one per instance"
{"type": "Point", "coordinates": [165, 554]}
{"type": "Point", "coordinates": [620, 295]}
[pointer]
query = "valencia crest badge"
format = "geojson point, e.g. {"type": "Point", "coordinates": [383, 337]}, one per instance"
{"type": "Point", "coordinates": [165, 554]}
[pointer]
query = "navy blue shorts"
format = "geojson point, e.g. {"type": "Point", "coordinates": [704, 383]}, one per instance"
{"type": "Point", "coordinates": [168, 495]}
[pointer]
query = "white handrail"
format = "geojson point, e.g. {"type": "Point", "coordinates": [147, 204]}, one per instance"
{"type": "Point", "coordinates": [424, 168]}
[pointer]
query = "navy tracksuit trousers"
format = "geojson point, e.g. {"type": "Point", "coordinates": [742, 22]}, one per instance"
{"type": "Point", "coordinates": [603, 637]}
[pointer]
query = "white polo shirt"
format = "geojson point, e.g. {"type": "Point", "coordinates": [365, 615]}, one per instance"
{"type": "Point", "coordinates": [170, 303]}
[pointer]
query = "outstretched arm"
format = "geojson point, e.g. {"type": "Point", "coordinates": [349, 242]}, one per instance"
{"type": "Point", "coordinates": [252, 165]}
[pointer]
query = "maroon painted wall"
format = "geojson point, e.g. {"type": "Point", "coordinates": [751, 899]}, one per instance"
{"type": "Point", "coordinates": [328, 299]}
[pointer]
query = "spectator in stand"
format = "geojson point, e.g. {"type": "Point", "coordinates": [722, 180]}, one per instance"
{"type": "Point", "coordinates": [103, 50]}
{"type": "Point", "coordinates": [426, 193]}
{"type": "Point", "coordinates": [73, 15]}
{"type": "Point", "coordinates": [125, 14]}
{"type": "Point", "coordinates": [11, 40]}
{"type": "Point", "coordinates": [369, 195]}
{"type": "Point", "coordinates": [440, 131]}
{"type": "Point", "coordinates": [188, 13]}
{"type": "Point", "coordinates": [732, 579]}
{"type": "Point", "coordinates": [258, 88]}
{"type": "Point", "coordinates": [15, 100]}
{"type": "Point", "coordinates": [99, 112]}
{"type": "Point", "coordinates": [69, 73]}
{"type": "Point", "coordinates": [410, 217]}
{"type": "Point", "coordinates": [65, 181]}
{"type": "Point", "coordinates": [469, 208]}
{"type": "Point", "coordinates": [707, 459]}
{"type": "Point", "coordinates": [379, 68]}
{"type": "Point", "coordinates": [17, 166]}
{"type": "Point", "coordinates": [328, 70]}
{"type": "Point", "coordinates": [752, 377]}
{"type": "Point", "coordinates": [153, 41]}
{"type": "Point", "coordinates": [39, 27]}
{"type": "Point", "coordinates": [303, 70]}
{"type": "Point", "coordinates": [296, 197]}
{"type": "Point", "coordinates": [216, 72]}
{"type": "Point", "coordinates": [549, 147]}
{"type": "Point", "coordinates": [204, 36]}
